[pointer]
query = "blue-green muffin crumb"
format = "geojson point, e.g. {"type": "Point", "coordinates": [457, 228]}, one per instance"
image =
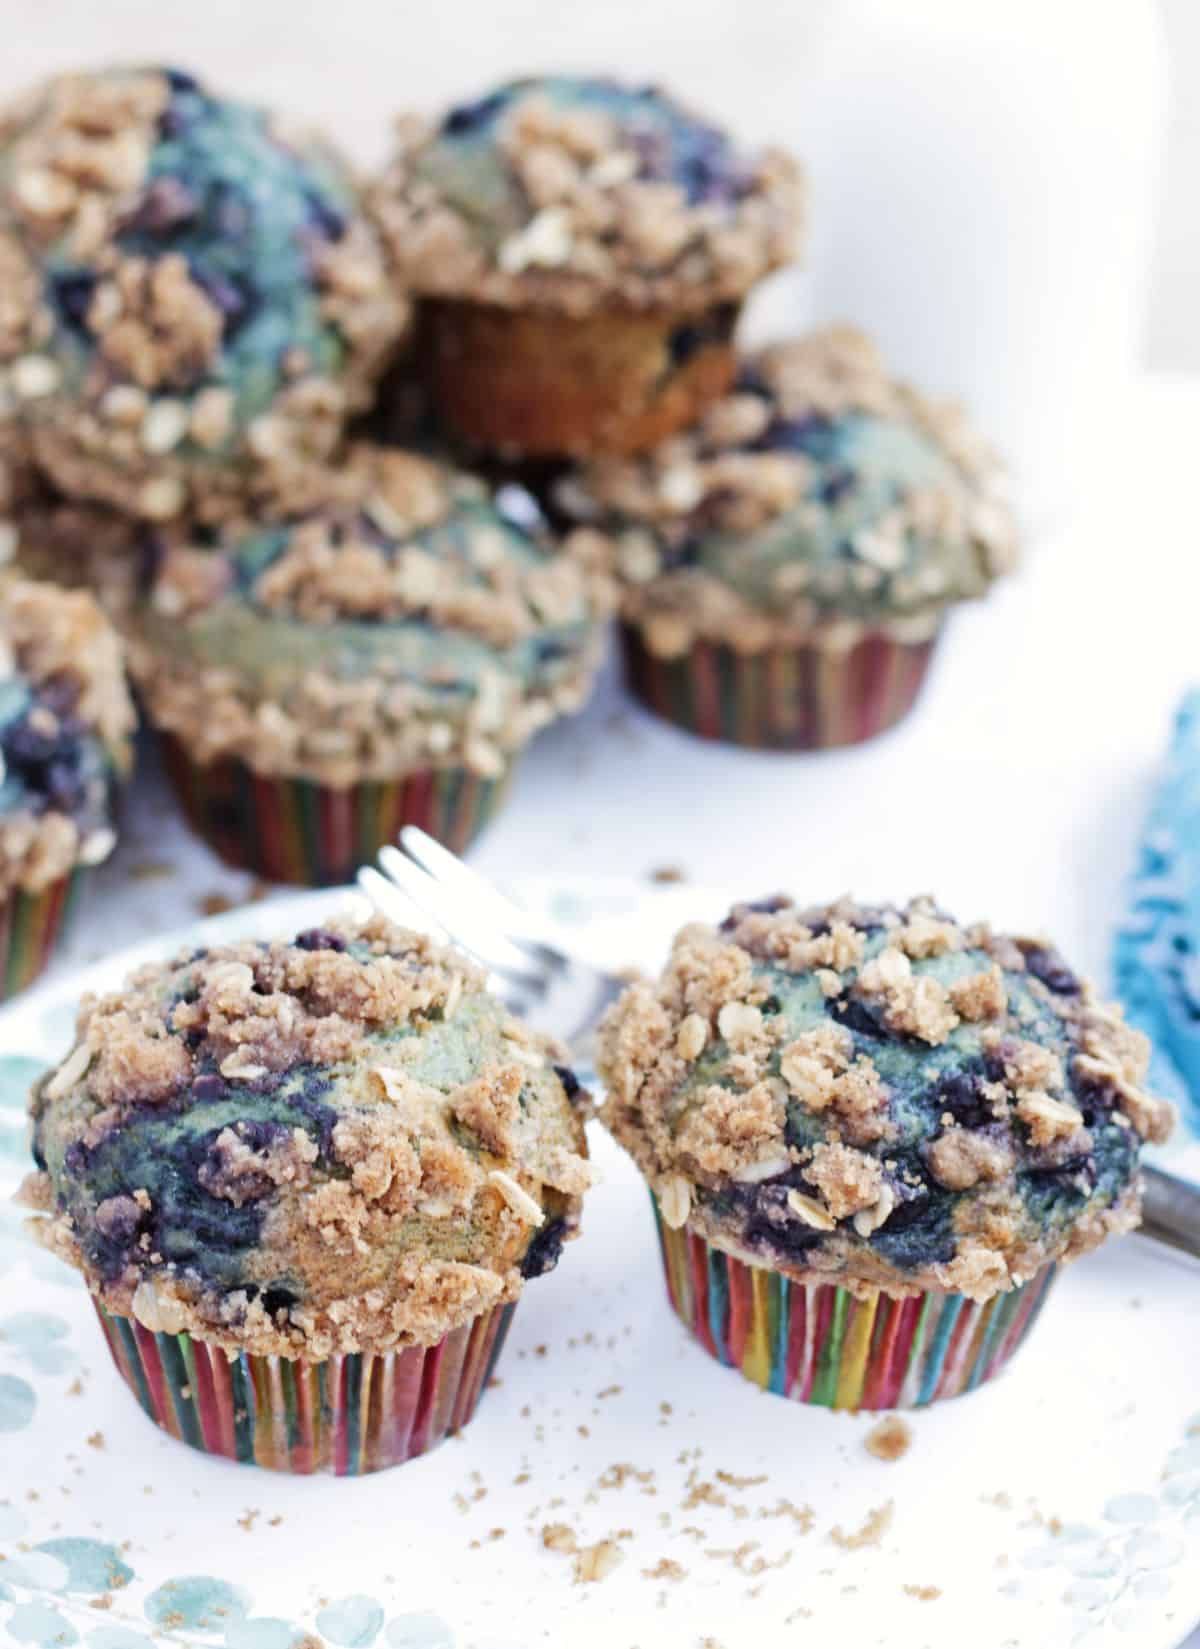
{"type": "Point", "coordinates": [336, 1143]}
{"type": "Point", "coordinates": [880, 1097]}
{"type": "Point", "coordinates": [205, 289]}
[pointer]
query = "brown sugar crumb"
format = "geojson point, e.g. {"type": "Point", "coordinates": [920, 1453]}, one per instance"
{"type": "Point", "coordinates": [911, 1004]}
{"type": "Point", "coordinates": [667, 874]}
{"type": "Point", "coordinates": [890, 1439]}
{"type": "Point", "coordinates": [848, 1180]}
{"type": "Point", "coordinates": [802, 1516]}
{"type": "Point", "coordinates": [925, 1594]}
{"type": "Point", "coordinates": [666, 1569]}
{"type": "Point", "coordinates": [560, 1537]}
{"type": "Point", "coordinates": [248, 1519]}
{"type": "Point", "coordinates": [733, 1481]}
{"type": "Point", "coordinates": [597, 1562]}
{"type": "Point", "coordinates": [877, 1524]}
{"type": "Point", "coordinates": [96, 1440]}
{"type": "Point", "coordinates": [747, 1558]}
{"type": "Point", "coordinates": [215, 904]}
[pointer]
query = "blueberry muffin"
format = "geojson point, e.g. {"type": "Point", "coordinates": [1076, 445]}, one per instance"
{"type": "Point", "coordinates": [305, 1182]}
{"type": "Point", "coordinates": [872, 1135]}
{"type": "Point", "coordinates": [581, 249]}
{"type": "Point", "coordinates": [377, 659]}
{"type": "Point", "coordinates": [66, 722]}
{"type": "Point", "coordinates": [194, 298]}
{"type": "Point", "coordinates": [787, 564]}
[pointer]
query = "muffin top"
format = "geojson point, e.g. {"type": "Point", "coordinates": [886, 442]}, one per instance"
{"type": "Point", "coordinates": [406, 617]}
{"type": "Point", "coordinates": [190, 289]}
{"type": "Point", "coordinates": [339, 1143]}
{"type": "Point", "coordinates": [878, 1097]}
{"type": "Point", "coordinates": [580, 194]}
{"type": "Point", "coordinates": [66, 724]}
{"type": "Point", "coordinates": [819, 495]}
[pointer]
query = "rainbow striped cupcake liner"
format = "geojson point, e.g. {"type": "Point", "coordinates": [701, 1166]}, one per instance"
{"type": "Point", "coordinates": [30, 927]}
{"type": "Point", "coordinates": [296, 830]}
{"type": "Point", "coordinates": [817, 1343]}
{"type": "Point", "coordinates": [349, 1415]}
{"type": "Point", "coordinates": [788, 698]}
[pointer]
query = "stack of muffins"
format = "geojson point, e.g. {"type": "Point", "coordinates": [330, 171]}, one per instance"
{"type": "Point", "coordinates": [360, 470]}
{"type": "Point", "coordinates": [306, 1180]}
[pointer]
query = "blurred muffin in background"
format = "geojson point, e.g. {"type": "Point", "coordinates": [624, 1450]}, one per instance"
{"type": "Point", "coordinates": [66, 722]}
{"type": "Point", "coordinates": [581, 250]}
{"type": "Point", "coordinates": [787, 563]}
{"type": "Point", "coordinates": [194, 299]}
{"type": "Point", "coordinates": [378, 658]}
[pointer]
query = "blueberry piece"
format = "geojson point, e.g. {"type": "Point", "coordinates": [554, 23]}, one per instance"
{"type": "Point", "coordinates": [163, 205]}
{"type": "Point", "coordinates": [325, 218]}
{"type": "Point", "coordinates": [757, 907]}
{"type": "Point", "coordinates": [72, 292]}
{"type": "Point", "coordinates": [277, 1299]}
{"type": "Point", "coordinates": [569, 1080]}
{"type": "Point", "coordinates": [1045, 963]}
{"type": "Point", "coordinates": [543, 1252]}
{"type": "Point", "coordinates": [920, 1229]}
{"type": "Point", "coordinates": [319, 939]}
{"type": "Point", "coordinates": [180, 81]}
{"type": "Point", "coordinates": [208, 1088]}
{"type": "Point", "coordinates": [467, 118]}
{"type": "Point", "coordinates": [856, 1016]}
{"type": "Point", "coordinates": [961, 1094]}
{"type": "Point", "coordinates": [691, 337]}
{"type": "Point", "coordinates": [836, 485]}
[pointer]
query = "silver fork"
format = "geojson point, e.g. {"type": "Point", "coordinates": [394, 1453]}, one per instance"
{"type": "Point", "coordinates": [565, 995]}
{"type": "Point", "coordinates": [557, 992]}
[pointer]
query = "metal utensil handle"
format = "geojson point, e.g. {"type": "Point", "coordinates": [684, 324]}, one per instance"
{"type": "Point", "coordinates": [1171, 1210]}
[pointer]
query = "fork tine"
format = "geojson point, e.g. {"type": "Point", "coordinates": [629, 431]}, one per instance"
{"type": "Point", "coordinates": [448, 869]}
{"type": "Point", "coordinates": [463, 928]}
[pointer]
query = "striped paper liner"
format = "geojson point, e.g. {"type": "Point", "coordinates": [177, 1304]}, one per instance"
{"type": "Point", "coordinates": [296, 830]}
{"type": "Point", "coordinates": [788, 698]}
{"type": "Point", "coordinates": [348, 1415]}
{"type": "Point", "coordinates": [817, 1343]}
{"type": "Point", "coordinates": [30, 927]}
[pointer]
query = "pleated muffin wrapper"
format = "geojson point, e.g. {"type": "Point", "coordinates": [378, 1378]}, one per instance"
{"type": "Point", "coordinates": [537, 382]}
{"type": "Point", "coordinates": [299, 830]}
{"type": "Point", "coordinates": [31, 925]}
{"type": "Point", "coordinates": [789, 697]}
{"type": "Point", "coordinates": [347, 1415]}
{"type": "Point", "coordinates": [818, 1343]}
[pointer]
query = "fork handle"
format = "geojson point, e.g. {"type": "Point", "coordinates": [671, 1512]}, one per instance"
{"type": "Point", "coordinates": [1171, 1210]}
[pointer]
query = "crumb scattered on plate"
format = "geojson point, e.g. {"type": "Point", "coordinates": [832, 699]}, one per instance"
{"type": "Point", "coordinates": [889, 1439]}
{"type": "Point", "coordinates": [878, 1522]}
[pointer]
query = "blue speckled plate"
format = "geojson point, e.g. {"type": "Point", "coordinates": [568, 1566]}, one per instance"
{"type": "Point", "coordinates": [1059, 1506]}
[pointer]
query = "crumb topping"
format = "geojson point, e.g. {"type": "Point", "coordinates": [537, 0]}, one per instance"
{"type": "Point", "coordinates": [577, 194]}
{"type": "Point", "coordinates": [821, 497]}
{"type": "Point", "coordinates": [336, 1144]}
{"type": "Point", "coordinates": [170, 335]}
{"type": "Point", "coordinates": [409, 618]}
{"type": "Point", "coordinates": [66, 725]}
{"type": "Point", "coordinates": [880, 1096]}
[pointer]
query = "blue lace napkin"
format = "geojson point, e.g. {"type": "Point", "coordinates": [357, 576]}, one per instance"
{"type": "Point", "coordinates": [1156, 955]}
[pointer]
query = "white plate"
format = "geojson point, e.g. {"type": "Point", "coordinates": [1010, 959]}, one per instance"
{"type": "Point", "coordinates": [1060, 1505]}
